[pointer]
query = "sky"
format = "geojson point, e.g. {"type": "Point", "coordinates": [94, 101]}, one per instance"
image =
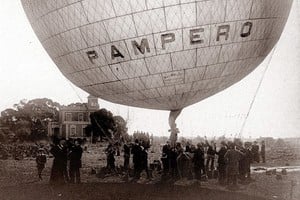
{"type": "Point", "coordinates": [27, 72]}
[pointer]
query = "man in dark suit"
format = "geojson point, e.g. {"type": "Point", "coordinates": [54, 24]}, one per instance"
{"type": "Point", "coordinates": [255, 152]}
{"type": "Point", "coordinates": [59, 162]}
{"type": "Point", "coordinates": [75, 162]}
{"type": "Point", "coordinates": [221, 163]}
{"type": "Point", "coordinates": [210, 161]}
{"type": "Point", "coordinates": [126, 149]}
{"type": "Point", "coordinates": [165, 157]}
{"type": "Point", "coordinates": [198, 161]}
{"type": "Point", "coordinates": [232, 158]}
{"type": "Point", "coordinates": [136, 151]}
{"type": "Point", "coordinates": [263, 151]}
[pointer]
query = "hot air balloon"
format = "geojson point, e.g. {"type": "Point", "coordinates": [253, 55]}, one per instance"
{"type": "Point", "coordinates": [157, 54]}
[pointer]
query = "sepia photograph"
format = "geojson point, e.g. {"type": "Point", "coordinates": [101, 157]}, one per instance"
{"type": "Point", "coordinates": [149, 99]}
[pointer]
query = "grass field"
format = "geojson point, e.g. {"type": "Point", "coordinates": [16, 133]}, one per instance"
{"type": "Point", "coordinates": [19, 181]}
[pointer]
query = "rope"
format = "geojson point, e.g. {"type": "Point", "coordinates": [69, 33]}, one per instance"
{"type": "Point", "coordinates": [107, 136]}
{"type": "Point", "coordinates": [79, 97]}
{"type": "Point", "coordinates": [255, 94]}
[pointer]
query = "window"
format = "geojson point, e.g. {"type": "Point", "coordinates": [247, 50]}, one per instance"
{"type": "Point", "coordinates": [80, 117]}
{"type": "Point", "coordinates": [68, 117]}
{"type": "Point", "coordinates": [83, 131]}
{"type": "Point", "coordinates": [73, 131]}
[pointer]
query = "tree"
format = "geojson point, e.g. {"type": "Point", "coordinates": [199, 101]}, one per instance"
{"type": "Point", "coordinates": [121, 131]}
{"type": "Point", "coordinates": [22, 130]}
{"type": "Point", "coordinates": [105, 125]}
{"type": "Point", "coordinates": [3, 137]}
{"type": "Point", "coordinates": [143, 137]}
{"type": "Point", "coordinates": [29, 119]}
{"type": "Point", "coordinates": [8, 117]}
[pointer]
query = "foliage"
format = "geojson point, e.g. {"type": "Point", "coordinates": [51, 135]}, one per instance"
{"type": "Point", "coordinates": [121, 131]}
{"type": "Point", "coordinates": [143, 137]}
{"type": "Point", "coordinates": [105, 125]}
{"type": "Point", "coordinates": [29, 119]}
{"type": "Point", "coordinates": [3, 138]}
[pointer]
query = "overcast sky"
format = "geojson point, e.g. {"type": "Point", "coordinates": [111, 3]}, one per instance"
{"type": "Point", "coordinates": [27, 72]}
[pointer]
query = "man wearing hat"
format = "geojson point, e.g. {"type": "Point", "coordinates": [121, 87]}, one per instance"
{"type": "Point", "coordinates": [165, 157]}
{"type": "Point", "coordinates": [75, 161]}
{"type": "Point", "coordinates": [59, 167]}
{"type": "Point", "coordinates": [263, 151]}
{"type": "Point", "coordinates": [198, 161]}
{"type": "Point", "coordinates": [41, 160]}
{"type": "Point", "coordinates": [221, 163]}
{"type": "Point", "coordinates": [136, 151]}
{"type": "Point", "coordinates": [255, 151]}
{"type": "Point", "coordinates": [232, 158]}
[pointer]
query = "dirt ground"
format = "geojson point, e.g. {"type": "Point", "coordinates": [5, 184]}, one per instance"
{"type": "Point", "coordinates": [115, 191]}
{"type": "Point", "coordinates": [18, 181]}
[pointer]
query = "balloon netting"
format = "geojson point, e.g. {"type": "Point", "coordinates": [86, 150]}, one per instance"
{"type": "Point", "coordinates": [161, 54]}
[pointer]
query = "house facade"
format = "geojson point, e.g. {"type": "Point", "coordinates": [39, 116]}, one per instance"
{"type": "Point", "coordinates": [73, 119]}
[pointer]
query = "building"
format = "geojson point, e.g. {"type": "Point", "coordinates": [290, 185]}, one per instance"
{"type": "Point", "coordinates": [73, 119]}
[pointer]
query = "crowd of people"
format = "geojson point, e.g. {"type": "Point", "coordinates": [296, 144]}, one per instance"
{"type": "Point", "coordinates": [227, 161]}
{"type": "Point", "coordinates": [139, 152]}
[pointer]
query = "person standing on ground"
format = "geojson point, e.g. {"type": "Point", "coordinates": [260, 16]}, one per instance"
{"type": "Point", "coordinates": [255, 152]}
{"type": "Point", "coordinates": [211, 151]}
{"type": "Point", "coordinates": [136, 151]}
{"type": "Point", "coordinates": [263, 151]}
{"type": "Point", "coordinates": [232, 158]}
{"type": "Point", "coordinates": [59, 162]}
{"type": "Point", "coordinates": [110, 153]}
{"type": "Point", "coordinates": [242, 161]}
{"type": "Point", "coordinates": [173, 162]}
{"type": "Point", "coordinates": [65, 145]}
{"type": "Point", "coordinates": [198, 161]}
{"type": "Point", "coordinates": [165, 157]}
{"type": "Point", "coordinates": [144, 162]}
{"type": "Point", "coordinates": [221, 163]}
{"type": "Point", "coordinates": [248, 161]}
{"type": "Point", "coordinates": [126, 156]}
{"type": "Point", "coordinates": [41, 160]}
{"type": "Point", "coordinates": [75, 162]}
{"type": "Point", "coordinates": [188, 147]}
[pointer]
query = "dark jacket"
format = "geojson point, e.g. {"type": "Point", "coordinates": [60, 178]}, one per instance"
{"type": "Point", "coordinates": [144, 159]}
{"type": "Point", "coordinates": [173, 157]}
{"type": "Point", "coordinates": [211, 151]}
{"type": "Point", "coordinates": [60, 156]}
{"type": "Point", "coordinates": [126, 150]}
{"type": "Point", "coordinates": [221, 153]}
{"type": "Point", "coordinates": [166, 151]}
{"type": "Point", "coordinates": [136, 151]}
{"type": "Point", "coordinates": [59, 163]}
{"type": "Point", "coordinates": [198, 158]}
{"type": "Point", "coordinates": [75, 157]}
{"type": "Point", "coordinates": [232, 158]}
{"type": "Point", "coordinates": [41, 160]}
{"type": "Point", "coordinates": [188, 149]}
{"type": "Point", "coordinates": [263, 148]}
{"type": "Point", "coordinates": [255, 149]}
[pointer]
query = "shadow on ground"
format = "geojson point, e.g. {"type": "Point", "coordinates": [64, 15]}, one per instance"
{"type": "Point", "coordinates": [116, 191]}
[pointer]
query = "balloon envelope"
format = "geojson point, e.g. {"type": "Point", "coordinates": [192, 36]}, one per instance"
{"type": "Point", "coordinates": [159, 54]}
